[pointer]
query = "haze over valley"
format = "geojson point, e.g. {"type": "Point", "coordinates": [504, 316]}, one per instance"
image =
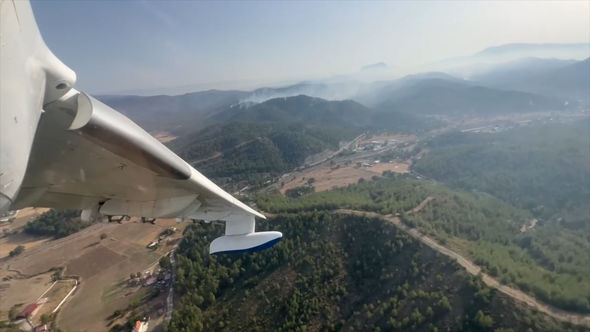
{"type": "Point", "coordinates": [451, 194]}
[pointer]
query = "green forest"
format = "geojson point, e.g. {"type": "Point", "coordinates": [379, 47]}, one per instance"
{"type": "Point", "coordinates": [253, 153]}
{"type": "Point", "coordinates": [543, 168]}
{"type": "Point", "coordinates": [336, 272]}
{"type": "Point", "coordinates": [549, 263]}
{"type": "Point", "coordinates": [251, 145]}
{"type": "Point", "coordinates": [56, 223]}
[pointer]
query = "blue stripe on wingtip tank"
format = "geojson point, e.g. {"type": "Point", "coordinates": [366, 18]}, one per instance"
{"type": "Point", "coordinates": [253, 249]}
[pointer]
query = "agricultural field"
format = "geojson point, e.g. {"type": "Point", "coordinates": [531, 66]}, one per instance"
{"type": "Point", "coordinates": [327, 178]}
{"type": "Point", "coordinates": [100, 256]}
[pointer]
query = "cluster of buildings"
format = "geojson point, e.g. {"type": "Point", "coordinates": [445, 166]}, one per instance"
{"type": "Point", "coordinates": [29, 311]}
{"type": "Point", "coordinates": [141, 325]}
{"type": "Point", "coordinates": [375, 145]}
{"type": "Point", "coordinates": [160, 278]}
{"type": "Point", "coordinates": [498, 127]}
{"type": "Point", "coordinates": [166, 233]}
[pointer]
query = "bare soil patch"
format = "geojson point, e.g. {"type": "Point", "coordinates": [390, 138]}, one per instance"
{"type": "Point", "coordinates": [94, 261]}
{"type": "Point", "coordinates": [164, 136]}
{"type": "Point", "coordinates": [388, 137]}
{"type": "Point", "coordinates": [326, 178]}
{"type": "Point", "coordinates": [395, 167]}
{"type": "Point", "coordinates": [10, 242]}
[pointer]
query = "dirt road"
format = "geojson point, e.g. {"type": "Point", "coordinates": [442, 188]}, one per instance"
{"type": "Point", "coordinates": [470, 267]}
{"type": "Point", "coordinates": [421, 205]}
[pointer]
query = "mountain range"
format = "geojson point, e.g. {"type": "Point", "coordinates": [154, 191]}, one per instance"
{"type": "Point", "coordinates": [529, 84]}
{"type": "Point", "coordinates": [563, 78]}
{"type": "Point", "coordinates": [267, 131]}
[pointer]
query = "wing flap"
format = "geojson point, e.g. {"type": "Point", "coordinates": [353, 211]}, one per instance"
{"type": "Point", "coordinates": [62, 148]}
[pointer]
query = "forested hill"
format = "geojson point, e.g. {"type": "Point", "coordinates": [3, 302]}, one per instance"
{"type": "Point", "coordinates": [258, 142]}
{"type": "Point", "coordinates": [547, 260]}
{"type": "Point", "coordinates": [441, 96]}
{"type": "Point", "coordinates": [304, 109]}
{"type": "Point", "coordinates": [179, 114]}
{"type": "Point", "coordinates": [565, 78]}
{"type": "Point", "coordinates": [250, 151]}
{"type": "Point", "coordinates": [541, 168]}
{"type": "Point", "coordinates": [333, 273]}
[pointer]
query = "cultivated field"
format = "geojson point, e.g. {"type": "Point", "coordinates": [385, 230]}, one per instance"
{"type": "Point", "coordinates": [344, 168]}
{"type": "Point", "coordinates": [326, 178]}
{"type": "Point", "coordinates": [20, 291]}
{"type": "Point", "coordinates": [102, 265]}
{"type": "Point", "coordinates": [53, 298]}
{"type": "Point", "coordinates": [8, 243]}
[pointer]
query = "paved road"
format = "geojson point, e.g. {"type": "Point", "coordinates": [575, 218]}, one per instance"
{"type": "Point", "coordinates": [574, 318]}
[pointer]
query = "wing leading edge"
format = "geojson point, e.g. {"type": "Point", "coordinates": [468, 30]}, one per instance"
{"type": "Point", "coordinates": [82, 154]}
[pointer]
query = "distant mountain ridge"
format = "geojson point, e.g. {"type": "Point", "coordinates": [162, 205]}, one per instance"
{"type": "Point", "coordinates": [174, 113]}
{"type": "Point", "coordinates": [563, 78]}
{"type": "Point", "coordinates": [302, 109]}
{"type": "Point", "coordinates": [456, 97]}
{"type": "Point", "coordinates": [555, 50]}
{"type": "Point", "coordinates": [522, 85]}
{"type": "Point", "coordinates": [375, 66]}
{"type": "Point", "coordinates": [466, 66]}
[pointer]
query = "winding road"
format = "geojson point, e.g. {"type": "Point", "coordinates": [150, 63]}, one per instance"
{"type": "Point", "coordinates": [474, 269]}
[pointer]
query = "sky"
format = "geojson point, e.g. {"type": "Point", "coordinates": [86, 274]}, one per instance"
{"type": "Point", "coordinates": [151, 46]}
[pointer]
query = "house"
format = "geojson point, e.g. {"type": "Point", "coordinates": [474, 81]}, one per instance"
{"type": "Point", "coordinates": [41, 328]}
{"type": "Point", "coordinates": [140, 326]}
{"type": "Point", "coordinates": [133, 282]}
{"type": "Point", "coordinates": [149, 281]}
{"type": "Point", "coordinates": [28, 310]}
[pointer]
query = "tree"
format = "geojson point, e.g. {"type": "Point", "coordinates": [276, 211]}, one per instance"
{"type": "Point", "coordinates": [103, 236]}
{"type": "Point", "coordinates": [17, 251]}
{"type": "Point", "coordinates": [13, 312]}
{"type": "Point", "coordinates": [46, 318]}
{"type": "Point", "coordinates": [165, 263]}
{"type": "Point", "coordinates": [56, 223]}
{"type": "Point", "coordinates": [483, 320]}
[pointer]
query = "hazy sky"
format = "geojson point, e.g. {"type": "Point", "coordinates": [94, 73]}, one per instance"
{"type": "Point", "coordinates": [117, 46]}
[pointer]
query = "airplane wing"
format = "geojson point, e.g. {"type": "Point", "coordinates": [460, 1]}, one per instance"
{"type": "Point", "coordinates": [62, 148]}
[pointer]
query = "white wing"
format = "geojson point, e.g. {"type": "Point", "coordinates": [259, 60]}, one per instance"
{"type": "Point", "coordinates": [80, 153]}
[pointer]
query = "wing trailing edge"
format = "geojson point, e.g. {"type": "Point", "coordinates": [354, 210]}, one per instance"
{"type": "Point", "coordinates": [62, 148]}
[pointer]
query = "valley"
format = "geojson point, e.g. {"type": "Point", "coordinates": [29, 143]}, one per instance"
{"type": "Point", "coordinates": [428, 202]}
